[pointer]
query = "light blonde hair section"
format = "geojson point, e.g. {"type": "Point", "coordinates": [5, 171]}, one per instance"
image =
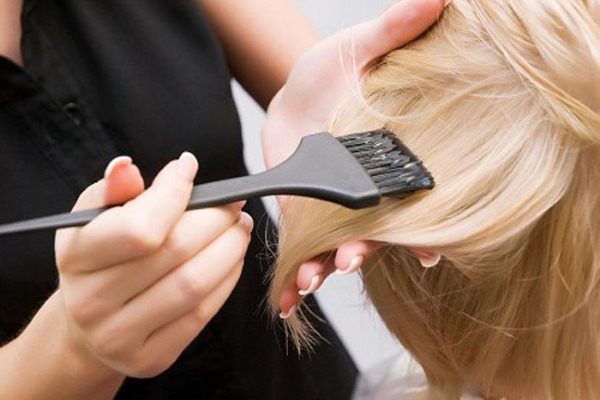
{"type": "Point", "coordinates": [501, 101]}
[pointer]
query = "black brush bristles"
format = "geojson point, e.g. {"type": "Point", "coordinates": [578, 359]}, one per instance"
{"type": "Point", "coordinates": [395, 170]}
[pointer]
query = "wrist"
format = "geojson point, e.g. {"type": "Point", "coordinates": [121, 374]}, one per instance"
{"type": "Point", "coordinates": [79, 359]}
{"type": "Point", "coordinates": [47, 362]}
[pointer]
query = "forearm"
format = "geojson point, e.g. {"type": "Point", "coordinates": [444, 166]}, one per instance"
{"type": "Point", "coordinates": [43, 364]}
{"type": "Point", "coordinates": [262, 40]}
{"type": "Point", "coordinates": [10, 30]}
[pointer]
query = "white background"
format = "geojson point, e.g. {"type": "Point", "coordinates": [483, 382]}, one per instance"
{"type": "Point", "coordinates": [347, 309]}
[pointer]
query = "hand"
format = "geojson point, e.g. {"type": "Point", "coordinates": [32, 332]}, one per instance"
{"type": "Point", "coordinates": [321, 80]}
{"type": "Point", "coordinates": [140, 281]}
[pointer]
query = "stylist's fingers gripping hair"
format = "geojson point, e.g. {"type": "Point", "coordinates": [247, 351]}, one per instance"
{"type": "Point", "coordinates": [312, 95]}
{"type": "Point", "coordinates": [397, 26]}
{"type": "Point", "coordinates": [310, 276]}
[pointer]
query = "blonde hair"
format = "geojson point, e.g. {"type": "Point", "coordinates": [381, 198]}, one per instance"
{"type": "Point", "coordinates": [501, 101]}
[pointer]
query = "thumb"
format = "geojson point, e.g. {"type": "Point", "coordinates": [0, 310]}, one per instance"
{"type": "Point", "coordinates": [122, 182]}
{"type": "Point", "coordinates": [399, 25]}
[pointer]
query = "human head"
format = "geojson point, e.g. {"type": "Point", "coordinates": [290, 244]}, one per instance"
{"type": "Point", "coordinates": [501, 101]}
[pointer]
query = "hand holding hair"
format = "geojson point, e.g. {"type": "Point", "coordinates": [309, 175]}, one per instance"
{"type": "Point", "coordinates": [310, 96]}
{"type": "Point", "coordinates": [297, 110]}
{"type": "Point", "coordinates": [497, 99]}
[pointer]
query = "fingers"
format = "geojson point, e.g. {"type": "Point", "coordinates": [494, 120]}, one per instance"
{"type": "Point", "coordinates": [159, 207]}
{"type": "Point", "coordinates": [427, 257]}
{"type": "Point", "coordinates": [348, 258]}
{"type": "Point", "coordinates": [185, 287]}
{"type": "Point", "coordinates": [141, 225]}
{"type": "Point", "coordinates": [194, 231]}
{"type": "Point", "coordinates": [140, 270]}
{"type": "Point", "coordinates": [399, 25]}
{"type": "Point", "coordinates": [123, 181]}
{"type": "Point", "coordinates": [309, 278]}
{"type": "Point", "coordinates": [289, 299]}
{"type": "Point", "coordinates": [173, 337]}
{"type": "Point", "coordinates": [185, 299]}
{"type": "Point", "coordinates": [312, 274]}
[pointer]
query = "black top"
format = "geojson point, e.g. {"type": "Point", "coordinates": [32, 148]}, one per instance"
{"type": "Point", "coordinates": [147, 79]}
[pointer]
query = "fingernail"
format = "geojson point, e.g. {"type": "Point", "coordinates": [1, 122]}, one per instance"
{"type": "Point", "coordinates": [246, 222]}
{"type": "Point", "coordinates": [430, 262]}
{"type": "Point", "coordinates": [354, 265]}
{"type": "Point", "coordinates": [447, 2]}
{"type": "Point", "coordinates": [187, 165]}
{"type": "Point", "coordinates": [314, 285]}
{"type": "Point", "coordinates": [288, 314]}
{"type": "Point", "coordinates": [116, 162]}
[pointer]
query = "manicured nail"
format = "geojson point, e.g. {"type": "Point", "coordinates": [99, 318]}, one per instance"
{"type": "Point", "coordinates": [288, 314]}
{"type": "Point", "coordinates": [187, 165]}
{"type": "Point", "coordinates": [246, 222]}
{"type": "Point", "coordinates": [116, 162]}
{"type": "Point", "coordinates": [354, 265]}
{"type": "Point", "coordinates": [430, 262]}
{"type": "Point", "coordinates": [314, 285]}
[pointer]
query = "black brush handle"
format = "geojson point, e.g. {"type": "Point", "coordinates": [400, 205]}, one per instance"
{"type": "Point", "coordinates": [78, 218]}
{"type": "Point", "coordinates": [321, 168]}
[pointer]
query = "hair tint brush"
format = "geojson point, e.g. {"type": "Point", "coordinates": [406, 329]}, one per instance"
{"type": "Point", "coordinates": [354, 171]}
